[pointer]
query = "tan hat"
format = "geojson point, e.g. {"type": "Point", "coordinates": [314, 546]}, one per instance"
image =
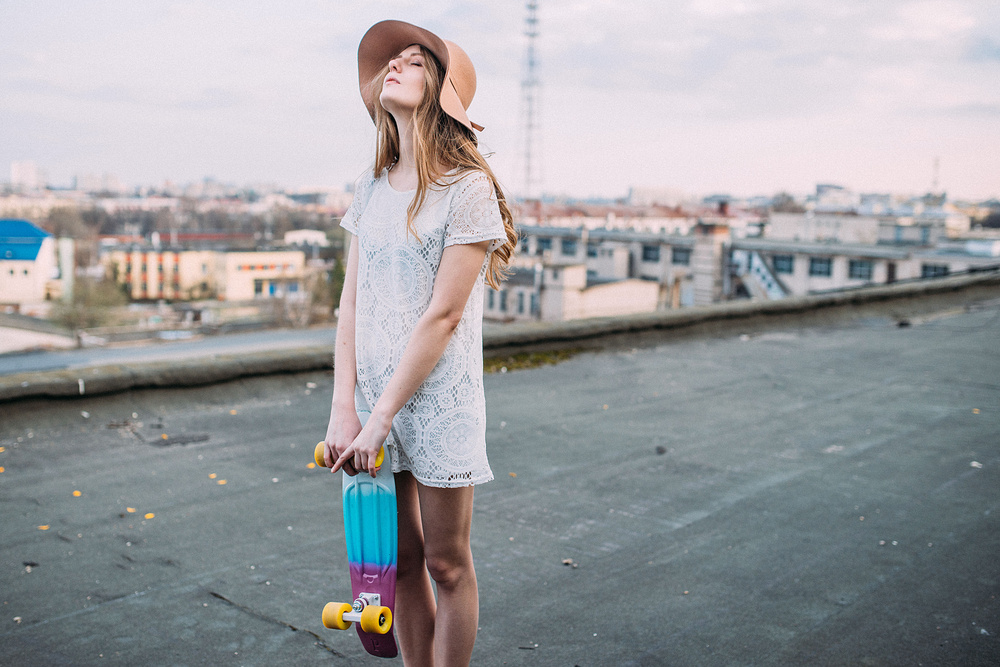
{"type": "Point", "coordinates": [387, 39]}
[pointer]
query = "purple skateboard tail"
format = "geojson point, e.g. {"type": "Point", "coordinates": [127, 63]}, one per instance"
{"type": "Point", "coordinates": [369, 579]}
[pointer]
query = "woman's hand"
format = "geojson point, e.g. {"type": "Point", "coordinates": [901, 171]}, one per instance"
{"type": "Point", "coordinates": [344, 427]}
{"type": "Point", "coordinates": [363, 451]}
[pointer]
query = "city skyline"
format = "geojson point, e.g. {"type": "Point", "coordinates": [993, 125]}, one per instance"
{"type": "Point", "coordinates": [705, 96]}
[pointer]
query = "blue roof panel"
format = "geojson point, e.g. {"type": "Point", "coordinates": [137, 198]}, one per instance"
{"type": "Point", "coordinates": [20, 239]}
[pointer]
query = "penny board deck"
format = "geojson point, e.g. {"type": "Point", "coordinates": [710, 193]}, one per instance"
{"type": "Point", "coordinates": [370, 531]}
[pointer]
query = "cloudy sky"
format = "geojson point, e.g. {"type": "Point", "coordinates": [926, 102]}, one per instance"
{"type": "Point", "coordinates": [703, 96]}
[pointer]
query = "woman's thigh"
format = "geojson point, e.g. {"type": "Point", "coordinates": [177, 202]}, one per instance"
{"type": "Point", "coordinates": [411, 533]}
{"type": "Point", "coordinates": [446, 522]}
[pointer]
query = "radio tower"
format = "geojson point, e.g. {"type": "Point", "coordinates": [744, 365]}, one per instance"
{"type": "Point", "coordinates": [529, 92]}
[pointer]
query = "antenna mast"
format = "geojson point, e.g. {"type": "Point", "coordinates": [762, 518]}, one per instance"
{"type": "Point", "coordinates": [529, 92]}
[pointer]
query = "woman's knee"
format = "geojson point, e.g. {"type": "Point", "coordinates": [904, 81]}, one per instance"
{"type": "Point", "coordinates": [449, 569]}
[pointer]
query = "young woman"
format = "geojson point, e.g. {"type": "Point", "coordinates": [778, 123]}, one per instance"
{"type": "Point", "coordinates": [430, 224]}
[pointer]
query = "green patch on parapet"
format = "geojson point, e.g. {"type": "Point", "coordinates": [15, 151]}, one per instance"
{"type": "Point", "coordinates": [527, 360]}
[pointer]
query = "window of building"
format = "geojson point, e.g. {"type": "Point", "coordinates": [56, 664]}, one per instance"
{"type": "Point", "coordinates": [520, 303]}
{"type": "Point", "coordinates": [860, 269]}
{"type": "Point", "coordinates": [680, 256]}
{"type": "Point", "coordinates": [490, 298]}
{"type": "Point", "coordinates": [820, 266]}
{"type": "Point", "coordinates": [925, 235]}
{"type": "Point", "coordinates": [258, 287]}
{"type": "Point", "coordinates": [591, 250]}
{"type": "Point", "coordinates": [568, 247]}
{"type": "Point", "coordinates": [503, 300]}
{"type": "Point", "coordinates": [543, 244]}
{"type": "Point", "coordinates": [650, 253]}
{"type": "Point", "coordinates": [933, 270]}
{"type": "Point", "coordinates": [534, 304]}
{"type": "Point", "coordinates": [784, 263]}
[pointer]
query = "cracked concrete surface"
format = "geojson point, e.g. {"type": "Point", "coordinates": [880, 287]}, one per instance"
{"type": "Point", "coordinates": [819, 495]}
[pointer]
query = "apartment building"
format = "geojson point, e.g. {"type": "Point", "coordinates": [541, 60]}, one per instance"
{"type": "Point", "coordinates": [175, 275]}
{"type": "Point", "coordinates": [567, 273]}
{"type": "Point", "coordinates": [187, 275]}
{"type": "Point", "coordinates": [564, 273]}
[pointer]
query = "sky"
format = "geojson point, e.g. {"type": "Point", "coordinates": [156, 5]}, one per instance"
{"type": "Point", "coordinates": [743, 97]}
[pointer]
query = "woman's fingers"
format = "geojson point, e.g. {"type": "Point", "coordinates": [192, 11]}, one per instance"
{"type": "Point", "coordinates": [345, 461]}
{"type": "Point", "coordinates": [356, 458]}
{"type": "Point", "coordinates": [365, 462]}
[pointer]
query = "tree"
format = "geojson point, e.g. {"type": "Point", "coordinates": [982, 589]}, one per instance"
{"type": "Point", "coordinates": [785, 203]}
{"type": "Point", "coordinates": [93, 304]}
{"type": "Point", "coordinates": [325, 288]}
{"type": "Point", "coordinates": [66, 222]}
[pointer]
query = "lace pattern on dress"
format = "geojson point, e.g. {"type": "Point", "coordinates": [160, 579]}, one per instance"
{"type": "Point", "coordinates": [440, 434]}
{"type": "Point", "coordinates": [474, 215]}
{"type": "Point", "coordinates": [363, 187]}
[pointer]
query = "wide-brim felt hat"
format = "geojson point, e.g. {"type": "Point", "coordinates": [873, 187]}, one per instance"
{"type": "Point", "coordinates": [387, 39]}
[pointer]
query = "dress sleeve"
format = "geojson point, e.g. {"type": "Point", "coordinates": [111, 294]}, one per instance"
{"type": "Point", "coordinates": [474, 214]}
{"type": "Point", "coordinates": [362, 193]}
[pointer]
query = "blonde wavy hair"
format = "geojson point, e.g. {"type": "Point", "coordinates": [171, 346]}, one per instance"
{"type": "Point", "coordinates": [440, 143]}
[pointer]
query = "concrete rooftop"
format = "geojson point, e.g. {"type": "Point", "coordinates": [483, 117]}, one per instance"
{"type": "Point", "coordinates": [822, 494]}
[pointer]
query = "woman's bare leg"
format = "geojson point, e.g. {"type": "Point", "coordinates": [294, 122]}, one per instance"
{"type": "Point", "coordinates": [446, 517]}
{"type": "Point", "coordinates": [415, 607]}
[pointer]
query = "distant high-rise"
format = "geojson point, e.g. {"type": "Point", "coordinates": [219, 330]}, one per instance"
{"type": "Point", "coordinates": [26, 175]}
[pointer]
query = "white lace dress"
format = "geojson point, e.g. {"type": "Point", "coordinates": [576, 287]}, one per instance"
{"type": "Point", "coordinates": [440, 434]}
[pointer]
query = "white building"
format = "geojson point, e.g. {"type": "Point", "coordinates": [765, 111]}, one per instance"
{"type": "Point", "coordinates": [565, 292]}
{"type": "Point", "coordinates": [765, 268]}
{"type": "Point", "coordinates": [307, 237]}
{"type": "Point", "coordinates": [30, 269]}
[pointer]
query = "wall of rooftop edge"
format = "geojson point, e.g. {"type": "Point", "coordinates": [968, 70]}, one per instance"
{"type": "Point", "coordinates": [900, 303]}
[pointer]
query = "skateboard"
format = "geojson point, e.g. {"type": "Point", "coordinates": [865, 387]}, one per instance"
{"type": "Point", "coordinates": [371, 535]}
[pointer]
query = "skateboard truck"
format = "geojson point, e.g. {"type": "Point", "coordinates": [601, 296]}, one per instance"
{"type": "Point", "coordinates": [366, 610]}
{"type": "Point", "coordinates": [364, 600]}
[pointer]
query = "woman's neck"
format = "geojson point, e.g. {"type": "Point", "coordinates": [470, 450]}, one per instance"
{"type": "Point", "coordinates": [404, 171]}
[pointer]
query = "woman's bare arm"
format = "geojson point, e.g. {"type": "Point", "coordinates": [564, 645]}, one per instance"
{"type": "Point", "coordinates": [344, 424]}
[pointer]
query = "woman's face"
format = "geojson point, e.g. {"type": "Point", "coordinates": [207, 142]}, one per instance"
{"type": "Point", "coordinates": [403, 85]}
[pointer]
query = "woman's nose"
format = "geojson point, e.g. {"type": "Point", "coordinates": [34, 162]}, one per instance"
{"type": "Point", "coordinates": [394, 65]}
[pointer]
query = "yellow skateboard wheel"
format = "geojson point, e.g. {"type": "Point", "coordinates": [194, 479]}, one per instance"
{"type": "Point", "coordinates": [376, 619]}
{"type": "Point", "coordinates": [318, 456]}
{"type": "Point", "coordinates": [333, 615]}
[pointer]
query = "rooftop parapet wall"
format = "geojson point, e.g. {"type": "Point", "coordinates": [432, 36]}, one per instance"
{"type": "Point", "coordinates": [902, 302]}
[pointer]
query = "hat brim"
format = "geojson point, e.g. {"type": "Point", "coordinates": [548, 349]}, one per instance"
{"type": "Point", "coordinates": [387, 39]}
